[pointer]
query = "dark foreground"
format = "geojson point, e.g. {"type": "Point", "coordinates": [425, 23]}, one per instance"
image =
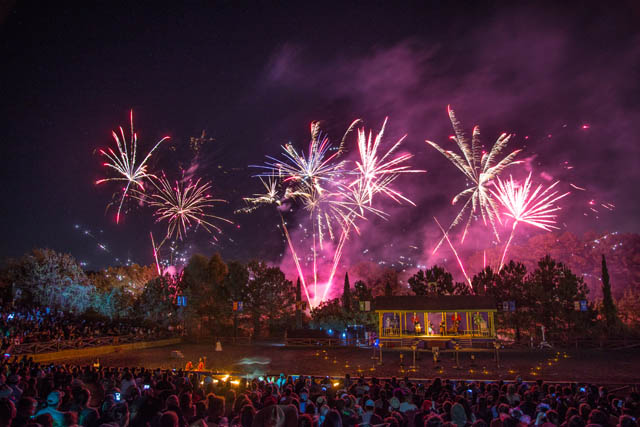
{"type": "Point", "coordinates": [594, 366]}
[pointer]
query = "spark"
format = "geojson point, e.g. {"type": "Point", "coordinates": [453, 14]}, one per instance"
{"type": "Point", "coordinates": [377, 172]}
{"type": "Point", "coordinates": [535, 208]}
{"type": "Point", "coordinates": [454, 253]}
{"type": "Point", "coordinates": [481, 169]}
{"type": "Point", "coordinates": [312, 170]}
{"type": "Point", "coordinates": [183, 205]}
{"type": "Point", "coordinates": [269, 197]}
{"type": "Point", "coordinates": [374, 174]}
{"type": "Point", "coordinates": [578, 188]}
{"type": "Point", "coordinates": [335, 193]}
{"type": "Point", "coordinates": [124, 163]}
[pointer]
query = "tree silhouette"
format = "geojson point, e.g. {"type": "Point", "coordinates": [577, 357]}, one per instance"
{"type": "Point", "coordinates": [608, 305]}
{"type": "Point", "coordinates": [436, 281]}
{"type": "Point", "coordinates": [346, 293]}
{"type": "Point", "coordinates": [298, 304]}
{"type": "Point", "coordinates": [388, 290]}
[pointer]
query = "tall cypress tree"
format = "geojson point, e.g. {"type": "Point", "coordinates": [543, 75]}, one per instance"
{"type": "Point", "coordinates": [298, 305]}
{"type": "Point", "coordinates": [346, 293]}
{"type": "Point", "coordinates": [388, 290]}
{"type": "Point", "coordinates": [608, 305]}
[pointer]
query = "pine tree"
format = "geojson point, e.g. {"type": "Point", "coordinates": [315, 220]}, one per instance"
{"type": "Point", "coordinates": [346, 293]}
{"type": "Point", "coordinates": [388, 290]}
{"type": "Point", "coordinates": [608, 305]}
{"type": "Point", "coordinates": [298, 305]}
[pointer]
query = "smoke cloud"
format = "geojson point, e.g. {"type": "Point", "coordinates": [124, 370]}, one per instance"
{"type": "Point", "coordinates": [569, 105]}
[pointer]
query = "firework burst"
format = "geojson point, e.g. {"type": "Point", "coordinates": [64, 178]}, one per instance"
{"type": "Point", "coordinates": [536, 208]}
{"type": "Point", "coordinates": [269, 197]}
{"type": "Point", "coordinates": [376, 172]}
{"type": "Point", "coordinates": [124, 163]}
{"type": "Point", "coordinates": [310, 171]}
{"type": "Point", "coordinates": [479, 168]}
{"type": "Point", "coordinates": [335, 193]}
{"type": "Point", "coordinates": [183, 206]}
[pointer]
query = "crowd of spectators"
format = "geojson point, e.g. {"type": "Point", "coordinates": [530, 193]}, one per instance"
{"type": "Point", "coordinates": [34, 395]}
{"type": "Point", "coordinates": [37, 324]}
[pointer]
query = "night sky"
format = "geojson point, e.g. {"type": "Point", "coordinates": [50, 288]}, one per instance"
{"type": "Point", "coordinates": [253, 76]}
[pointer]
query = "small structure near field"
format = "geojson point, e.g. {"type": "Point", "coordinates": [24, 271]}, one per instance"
{"type": "Point", "coordinates": [436, 321]}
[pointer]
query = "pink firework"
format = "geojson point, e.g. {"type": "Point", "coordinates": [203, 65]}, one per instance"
{"type": "Point", "coordinates": [536, 208]}
{"type": "Point", "coordinates": [125, 165]}
{"type": "Point", "coordinates": [335, 193]}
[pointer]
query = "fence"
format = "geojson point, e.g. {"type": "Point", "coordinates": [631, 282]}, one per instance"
{"type": "Point", "coordinates": [330, 342]}
{"type": "Point", "coordinates": [78, 343]}
{"type": "Point", "coordinates": [564, 342]}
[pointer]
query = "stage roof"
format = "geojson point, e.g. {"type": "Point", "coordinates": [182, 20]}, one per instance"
{"type": "Point", "coordinates": [439, 303]}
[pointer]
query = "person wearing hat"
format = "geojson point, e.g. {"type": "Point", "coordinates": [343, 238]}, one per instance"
{"type": "Point", "coordinates": [394, 404]}
{"type": "Point", "coordinates": [53, 401]}
{"type": "Point", "coordinates": [370, 417]}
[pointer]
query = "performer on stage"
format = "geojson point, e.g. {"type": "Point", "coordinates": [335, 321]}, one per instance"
{"type": "Point", "coordinates": [455, 321]}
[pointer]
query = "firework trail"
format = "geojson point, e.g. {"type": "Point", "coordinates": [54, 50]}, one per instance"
{"type": "Point", "coordinates": [308, 178]}
{"type": "Point", "coordinates": [481, 169]}
{"type": "Point", "coordinates": [155, 254]}
{"type": "Point", "coordinates": [183, 205]}
{"type": "Point", "coordinates": [271, 197]}
{"type": "Point", "coordinates": [335, 193]}
{"type": "Point", "coordinates": [534, 208]}
{"type": "Point", "coordinates": [455, 253]}
{"type": "Point", "coordinates": [374, 174]}
{"type": "Point", "coordinates": [124, 163]}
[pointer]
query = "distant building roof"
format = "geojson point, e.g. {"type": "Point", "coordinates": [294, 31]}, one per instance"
{"type": "Point", "coordinates": [440, 303]}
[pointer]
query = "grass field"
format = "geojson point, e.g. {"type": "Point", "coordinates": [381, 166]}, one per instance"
{"type": "Point", "coordinates": [257, 359]}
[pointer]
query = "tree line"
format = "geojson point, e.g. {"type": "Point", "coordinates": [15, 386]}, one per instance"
{"type": "Point", "coordinates": [253, 298]}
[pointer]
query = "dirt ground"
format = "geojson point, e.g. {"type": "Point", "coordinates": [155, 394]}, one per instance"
{"type": "Point", "coordinates": [612, 367]}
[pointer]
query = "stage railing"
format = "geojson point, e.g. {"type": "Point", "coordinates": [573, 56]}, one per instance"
{"type": "Point", "coordinates": [471, 333]}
